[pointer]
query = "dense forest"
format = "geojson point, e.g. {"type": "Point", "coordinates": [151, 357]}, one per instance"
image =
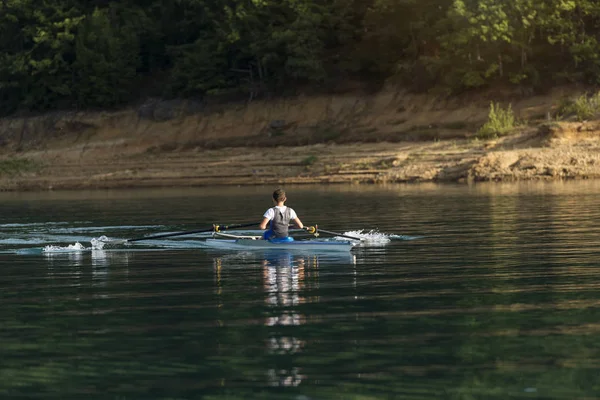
{"type": "Point", "coordinates": [82, 54]}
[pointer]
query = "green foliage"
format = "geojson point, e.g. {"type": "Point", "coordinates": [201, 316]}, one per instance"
{"type": "Point", "coordinates": [500, 122]}
{"type": "Point", "coordinates": [310, 160]}
{"type": "Point", "coordinates": [201, 67]}
{"type": "Point", "coordinates": [35, 48]}
{"type": "Point", "coordinates": [584, 107]}
{"type": "Point", "coordinates": [17, 166]}
{"type": "Point", "coordinates": [106, 59]}
{"type": "Point", "coordinates": [76, 53]}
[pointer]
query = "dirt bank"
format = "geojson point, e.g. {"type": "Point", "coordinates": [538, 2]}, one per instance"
{"type": "Point", "coordinates": [384, 137]}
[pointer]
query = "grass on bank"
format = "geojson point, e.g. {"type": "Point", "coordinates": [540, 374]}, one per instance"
{"type": "Point", "coordinates": [308, 161]}
{"type": "Point", "coordinates": [582, 108]}
{"type": "Point", "coordinates": [17, 166]}
{"type": "Point", "coordinates": [500, 122]}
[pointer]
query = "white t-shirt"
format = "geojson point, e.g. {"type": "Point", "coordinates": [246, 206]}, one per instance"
{"type": "Point", "coordinates": [270, 213]}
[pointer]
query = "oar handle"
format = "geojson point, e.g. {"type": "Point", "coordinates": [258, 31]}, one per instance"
{"type": "Point", "coordinates": [215, 228]}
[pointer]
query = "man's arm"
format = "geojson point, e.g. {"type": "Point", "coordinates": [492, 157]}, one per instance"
{"type": "Point", "coordinates": [263, 224]}
{"type": "Point", "coordinates": [298, 223]}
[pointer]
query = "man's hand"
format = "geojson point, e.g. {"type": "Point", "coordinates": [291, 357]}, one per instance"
{"type": "Point", "coordinates": [310, 229]}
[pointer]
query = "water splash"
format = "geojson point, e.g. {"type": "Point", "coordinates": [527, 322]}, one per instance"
{"type": "Point", "coordinates": [63, 249]}
{"type": "Point", "coordinates": [369, 238]}
{"type": "Point", "coordinates": [375, 237]}
{"type": "Point", "coordinates": [98, 244]}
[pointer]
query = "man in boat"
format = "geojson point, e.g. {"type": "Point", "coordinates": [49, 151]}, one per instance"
{"type": "Point", "coordinates": [278, 218]}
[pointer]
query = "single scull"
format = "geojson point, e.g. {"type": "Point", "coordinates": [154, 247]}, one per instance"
{"type": "Point", "coordinates": [235, 242]}
{"type": "Point", "coordinates": [250, 244]}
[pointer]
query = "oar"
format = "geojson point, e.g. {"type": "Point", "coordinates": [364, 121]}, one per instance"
{"type": "Point", "coordinates": [338, 234]}
{"type": "Point", "coordinates": [216, 228]}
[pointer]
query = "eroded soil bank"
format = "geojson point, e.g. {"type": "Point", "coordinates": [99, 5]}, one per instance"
{"type": "Point", "coordinates": [385, 137]}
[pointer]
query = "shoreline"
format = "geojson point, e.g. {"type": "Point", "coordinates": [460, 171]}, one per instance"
{"type": "Point", "coordinates": [387, 137]}
{"type": "Point", "coordinates": [563, 152]}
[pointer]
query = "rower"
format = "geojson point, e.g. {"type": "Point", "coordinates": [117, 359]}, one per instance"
{"type": "Point", "coordinates": [278, 218]}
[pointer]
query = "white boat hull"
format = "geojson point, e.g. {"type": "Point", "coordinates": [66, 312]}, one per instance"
{"type": "Point", "coordinates": [306, 245]}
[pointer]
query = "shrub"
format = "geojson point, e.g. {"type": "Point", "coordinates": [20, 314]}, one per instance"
{"type": "Point", "coordinates": [500, 122]}
{"type": "Point", "coordinates": [310, 160]}
{"type": "Point", "coordinates": [17, 166]}
{"type": "Point", "coordinates": [584, 107]}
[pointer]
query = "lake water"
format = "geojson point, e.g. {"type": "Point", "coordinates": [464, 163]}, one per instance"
{"type": "Point", "coordinates": [482, 292]}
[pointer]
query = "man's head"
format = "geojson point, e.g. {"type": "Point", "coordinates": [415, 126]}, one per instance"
{"type": "Point", "coordinates": [279, 195]}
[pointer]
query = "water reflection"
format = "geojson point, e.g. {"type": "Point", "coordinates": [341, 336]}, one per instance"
{"type": "Point", "coordinates": [85, 274]}
{"type": "Point", "coordinates": [284, 278]}
{"type": "Point", "coordinates": [95, 257]}
{"type": "Point", "coordinates": [288, 278]}
{"type": "Point", "coordinates": [74, 258]}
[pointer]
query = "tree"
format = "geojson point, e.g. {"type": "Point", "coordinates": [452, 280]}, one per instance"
{"type": "Point", "coordinates": [36, 50]}
{"type": "Point", "coordinates": [106, 59]}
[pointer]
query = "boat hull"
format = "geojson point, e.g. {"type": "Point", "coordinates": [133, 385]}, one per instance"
{"type": "Point", "coordinates": [305, 245]}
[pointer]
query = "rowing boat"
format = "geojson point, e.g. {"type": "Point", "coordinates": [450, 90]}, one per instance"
{"type": "Point", "coordinates": [230, 241]}
{"type": "Point", "coordinates": [251, 244]}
